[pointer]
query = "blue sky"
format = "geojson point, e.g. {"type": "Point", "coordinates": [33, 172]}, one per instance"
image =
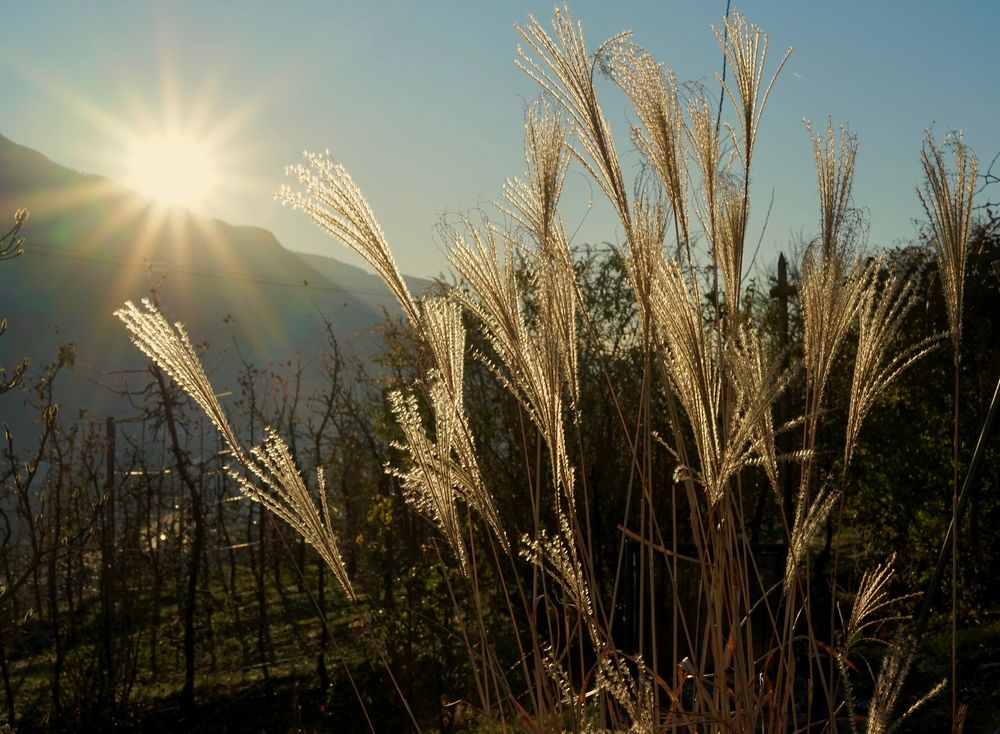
{"type": "Point", "coordinates": [423, 104]}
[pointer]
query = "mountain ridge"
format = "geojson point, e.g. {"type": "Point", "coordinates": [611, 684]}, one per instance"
{"type": "Point", "coordinates": [92, 244]}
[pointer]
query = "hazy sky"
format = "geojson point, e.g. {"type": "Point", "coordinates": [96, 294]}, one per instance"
{"type": "Point", "coordinates": [423, 104]}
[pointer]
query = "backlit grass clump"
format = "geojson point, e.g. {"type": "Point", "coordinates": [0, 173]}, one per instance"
{"type": "Point", "coordinates": [741, 653]}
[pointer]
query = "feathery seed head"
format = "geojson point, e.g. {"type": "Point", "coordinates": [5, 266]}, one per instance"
{"type": "Point", "coordinates": [171, 350]}
{"type": "Point", "coordinates": [444, 469]}
{"type": "Point", "coordinates": [835, 172]}
{"type": "Point", "coordinates": [871, 599]}
{"type": "Point", "coordinates": [281, 489]}
{"type": "Point", "coordinates": [336, 205]}
{"type": "Point", "coordinates": [533, 202]}
{"type": "Point", "coordinates": [541, 363]}
{"type": "Point", "coordinates": [706, 149]}
{"type": "Point", "coordinates": [646, 251]}
{"type": "Point", "coordinates": [947, 199]}
{"type": "Point", "coordinates": [268, 475]}
{"type": "Point", "coordinates": [809, 518]}
{"type": "Point", "coordinates": [564, 69]}
{"type": "Point", "coordinates": [745, 47]}
{"type": "Point", "coordinates": [884, 303]}
{"type": "Point", "coordinates": [660, 139]}
{"type": "Point", "coordinates": [727, 249]}
{"type": "Point", "coordinates": [830, 292]}
{"type": "Point", "coordinates": [882, 718]}
{"type": "Point", "coordinates": [758, 381]}
{"type": "Point", "coordinates": [428, 485]}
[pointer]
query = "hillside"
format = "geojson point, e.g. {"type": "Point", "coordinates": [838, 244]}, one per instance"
{"type": "Point", "coordinates": [92, 244]}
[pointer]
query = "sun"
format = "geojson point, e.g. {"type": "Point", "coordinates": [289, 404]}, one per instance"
{"type": "Point", "coordinates": [174, 169]}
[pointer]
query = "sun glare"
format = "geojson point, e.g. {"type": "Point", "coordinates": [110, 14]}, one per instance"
{"type": "Point", "coordinates": [173, 169]}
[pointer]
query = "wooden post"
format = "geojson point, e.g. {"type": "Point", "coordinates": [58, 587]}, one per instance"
{"type": "Point", "coordinates": [108, 672]}
{"type": "Point", "coordinates": [782, 291]}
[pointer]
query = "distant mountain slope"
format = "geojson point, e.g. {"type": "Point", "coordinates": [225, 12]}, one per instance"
{"type": "Point", "coordinates": [92, 244]}
{"type": "Point", "coordinates": [365, 286]}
